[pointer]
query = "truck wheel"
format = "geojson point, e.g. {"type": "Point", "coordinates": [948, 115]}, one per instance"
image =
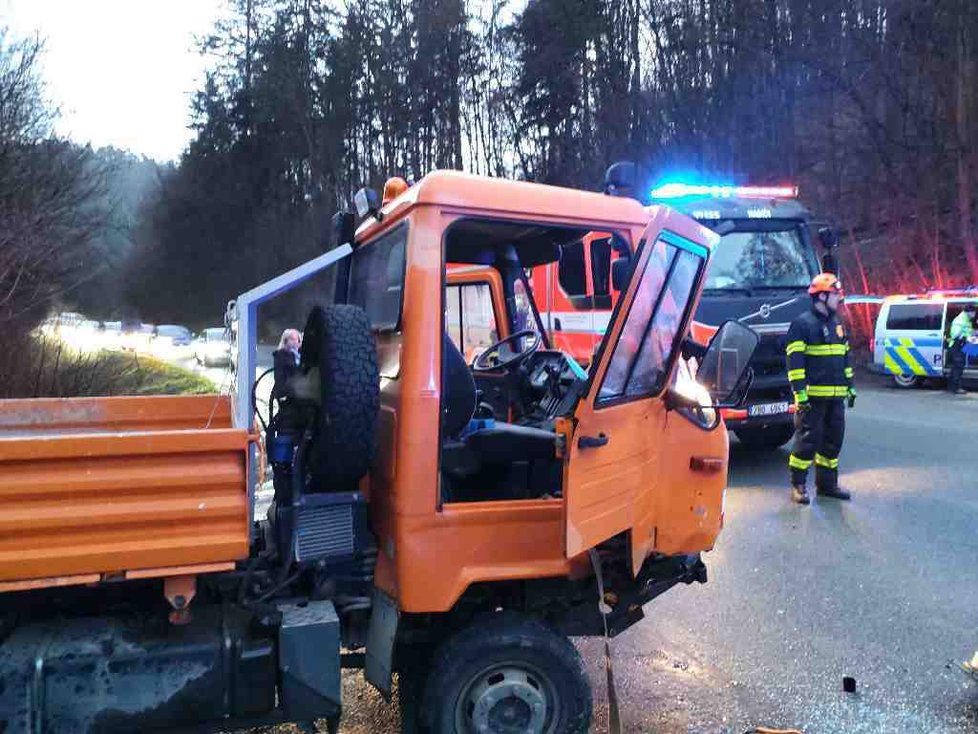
{"type": "Point", "coordinates": [906, 381]}
{"type": "Point", "coordinates": [507, 673]}
{"type": "Point", "coordinates": [339, 342]}
{"type": "Point", "coordinates": [760, 439]}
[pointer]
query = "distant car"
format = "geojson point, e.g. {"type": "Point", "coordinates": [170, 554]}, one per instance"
{"type": "Point", "coordinates": [171, 341]}
{"type": "Point", "coordinates": [112, 335]}
{"type": "Point", "coordinates": [82, 336]}
{"type": "Point", "coordinates": [136, 336]}
{"type": "Point", "coordinates": [212, 347]}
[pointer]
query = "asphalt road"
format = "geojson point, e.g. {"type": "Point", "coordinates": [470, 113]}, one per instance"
{"type": "Point", "coordinates": [882, 589]}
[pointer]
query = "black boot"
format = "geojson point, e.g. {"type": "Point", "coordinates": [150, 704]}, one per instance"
{"type": "Point", "coordinates": [835, 492]}
{"type": "Point", "coordinates": [799, 494]}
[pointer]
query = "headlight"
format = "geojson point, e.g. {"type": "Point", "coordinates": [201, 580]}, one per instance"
{"type": "Point", "coordinates": [687, 386]}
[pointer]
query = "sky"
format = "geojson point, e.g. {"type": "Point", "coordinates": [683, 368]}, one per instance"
{"type": "Point", "coordinates": [122, 72]}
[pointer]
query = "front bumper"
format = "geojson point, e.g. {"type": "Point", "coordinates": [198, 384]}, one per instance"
{"type": "Point", "coordinates": [735, 418]}
{"type": "Point", "coordinates": [627, 595]}
{"type": "Point", "coordinates": [769, 389]}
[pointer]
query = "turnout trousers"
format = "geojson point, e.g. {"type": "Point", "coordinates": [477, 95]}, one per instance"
{"type": "Point", "coordinates": [818, 440]}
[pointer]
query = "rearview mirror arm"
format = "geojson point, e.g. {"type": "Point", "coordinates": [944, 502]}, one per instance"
{"type": "Point", "coordinates": [692, 348]}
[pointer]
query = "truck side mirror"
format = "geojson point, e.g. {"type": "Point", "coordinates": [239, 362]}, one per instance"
{"type": "Point", "coordinates": [829, 237]}
{"type": "Point", "coordinates": [621, 271]}
{"type": "Point", "coordinates": [367, 202]}
{"type": "Point", "coordinates": [725, 369]}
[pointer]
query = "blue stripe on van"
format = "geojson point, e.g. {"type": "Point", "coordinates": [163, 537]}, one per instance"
{"type": "Point", "coordinates": [925, 363]}
{"type": "Point", "coordinates": [904, 367]}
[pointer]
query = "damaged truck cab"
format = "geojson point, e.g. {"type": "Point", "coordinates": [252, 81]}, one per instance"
{"type": "Point", "coordinates": [452, 497]}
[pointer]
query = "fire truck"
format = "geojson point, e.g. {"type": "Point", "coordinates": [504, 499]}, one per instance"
{"type": "Point", "coordinates": [759, 275]}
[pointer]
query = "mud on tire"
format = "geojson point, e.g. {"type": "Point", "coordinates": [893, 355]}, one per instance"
{"type": "Point", "coordinates": [507, 651]}
{"type": "Point", "coordinates": [339, 342]}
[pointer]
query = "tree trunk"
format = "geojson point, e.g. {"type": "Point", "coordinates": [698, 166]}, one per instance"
{"type": "Point", "coordinates": [965, 70]}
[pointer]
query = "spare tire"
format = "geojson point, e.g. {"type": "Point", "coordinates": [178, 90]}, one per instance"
{"type": "Point", "coordinates": [339, 343]}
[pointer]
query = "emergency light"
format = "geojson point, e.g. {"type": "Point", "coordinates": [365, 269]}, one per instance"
{"type": "Point", "coordinates": [684, 190]}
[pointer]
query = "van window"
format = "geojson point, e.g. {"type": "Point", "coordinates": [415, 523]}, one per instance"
{"type": "Point", "coordinates": [915, 317]}
{"type": "Point", "coordinates": [469, 318]}
{"type": "Point", "coordinates": [377, 278]}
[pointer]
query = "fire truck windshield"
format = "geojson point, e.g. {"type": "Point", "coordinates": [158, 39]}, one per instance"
{"type": "Point", "coordinates": [757, 260]}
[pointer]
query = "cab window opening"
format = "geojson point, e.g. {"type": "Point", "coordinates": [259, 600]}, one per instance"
{"type": "Point", "coordinates": [499, 406]}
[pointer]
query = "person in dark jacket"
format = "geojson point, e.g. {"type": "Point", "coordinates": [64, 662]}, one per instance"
{"type": "Point", "coordinates": [821, 380]}
{"type": "Point", "coordinates": [285, 361]}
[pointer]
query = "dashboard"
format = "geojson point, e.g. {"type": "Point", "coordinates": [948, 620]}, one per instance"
{"type": "Point", "coordinates": [548, 381]}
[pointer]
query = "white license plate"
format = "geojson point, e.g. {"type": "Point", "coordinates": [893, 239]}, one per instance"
{"type": "Point", "coordinates": [768, 409]}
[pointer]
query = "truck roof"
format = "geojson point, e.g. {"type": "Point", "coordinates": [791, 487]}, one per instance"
{"type": "Point", "coordinates": [499, 197]}
{"type": "Point", "coordinates": [965, 295]}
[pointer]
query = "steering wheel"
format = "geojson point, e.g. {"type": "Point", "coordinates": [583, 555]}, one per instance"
{"type": "Point", "coordinates": [501, 355]}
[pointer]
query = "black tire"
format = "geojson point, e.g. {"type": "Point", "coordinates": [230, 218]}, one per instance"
{"type": "Point", "coordinates": [766, 439]}
{"type": "Point", "coordinates": [532, 662]}
{"type": "Point", "coordinates": [906, 382]}
{"type": "Point", "coordinates": [339, 342]}
{"type": "Point", "coordinates": [412, 674]}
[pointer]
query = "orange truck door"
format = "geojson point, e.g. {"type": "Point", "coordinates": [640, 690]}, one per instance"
{"type": "Point", "coordinates": [615, 463]}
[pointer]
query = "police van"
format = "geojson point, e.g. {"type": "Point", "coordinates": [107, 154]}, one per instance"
{"type": "Point", "coordinates": [910, 342]}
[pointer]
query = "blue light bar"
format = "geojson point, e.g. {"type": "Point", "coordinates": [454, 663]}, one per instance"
{"type": "Point", "coordinates": [683, 190]}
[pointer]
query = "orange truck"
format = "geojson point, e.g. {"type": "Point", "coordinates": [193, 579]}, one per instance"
{"type": "Point", "coordinates": [449, 524]}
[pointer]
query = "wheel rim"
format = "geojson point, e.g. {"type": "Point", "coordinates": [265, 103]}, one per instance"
{"type": "Point", "coordinates": [905, 380]}
{"type": "Point", "coordinates": [505, 699]}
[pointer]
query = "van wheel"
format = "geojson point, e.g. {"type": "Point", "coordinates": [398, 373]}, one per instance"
{"type": "Point", "coordinates": [507, 673]}
{"type": "Point", "coordinates": [339, 342]}
{"type": "Point", "coordinates": [760, 439]}
{"type": "Point", "coordinates": [906, 381]}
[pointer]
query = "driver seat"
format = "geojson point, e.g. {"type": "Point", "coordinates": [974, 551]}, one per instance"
{"type": "Point", "coordinates": [499, 443]}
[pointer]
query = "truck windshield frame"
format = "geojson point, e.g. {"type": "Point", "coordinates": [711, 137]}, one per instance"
{"type": "Point", "coordinates": [760, 255]}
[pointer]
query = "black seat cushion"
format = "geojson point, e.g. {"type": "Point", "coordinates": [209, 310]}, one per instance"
{"type": "Point", "coordinates": [458, 390]}
{"type": "Point", "coordinates": [506, 443]}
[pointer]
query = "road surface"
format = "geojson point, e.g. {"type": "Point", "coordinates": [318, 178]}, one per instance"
{"type": "Point", "coordinates": [882, 589]}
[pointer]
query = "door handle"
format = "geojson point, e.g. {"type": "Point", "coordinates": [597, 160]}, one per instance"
{"type": "Point", "coordinates": [592, 442]}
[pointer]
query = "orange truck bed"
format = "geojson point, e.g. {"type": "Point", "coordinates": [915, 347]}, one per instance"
{"type": "Point", "coordinates": [120, 487]}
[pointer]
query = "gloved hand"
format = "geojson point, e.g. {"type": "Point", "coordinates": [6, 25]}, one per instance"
{"type": "Point", "coordinates": [803, 406]}
{"type": "Point", "coordinates": [852, 397]}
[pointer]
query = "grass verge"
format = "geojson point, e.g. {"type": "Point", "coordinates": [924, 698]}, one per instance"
{"type": "Point", "coordinates": [51, 369]}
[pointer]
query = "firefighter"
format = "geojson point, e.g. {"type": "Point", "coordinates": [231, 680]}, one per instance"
{"type": "Point", "coordinates": [821, 379]}
{"type": "Point", "coordinates": [962, 331]}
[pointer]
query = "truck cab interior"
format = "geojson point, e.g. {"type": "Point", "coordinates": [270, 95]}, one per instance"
{"type": "Point", "coordinates": [501, 399]}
